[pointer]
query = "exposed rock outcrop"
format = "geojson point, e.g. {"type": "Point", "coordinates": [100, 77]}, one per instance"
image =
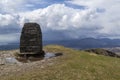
{"type": "Point", "coordinates": [103, 52]}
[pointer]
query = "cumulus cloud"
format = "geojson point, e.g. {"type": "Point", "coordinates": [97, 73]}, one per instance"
{"type": "Point", "coordinates": [61, 18]}
{"type": "Point", "coordinates": [99, 18]}
{"type": "Point", "coordinates": [109, 18]}
{"type": "Point", "coordinates": [5, 19]}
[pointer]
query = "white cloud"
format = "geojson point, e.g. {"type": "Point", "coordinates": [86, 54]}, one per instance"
{"type": "Point", "coordinates": [100, 19]}
{"type": "Point", "coordinates": [109, 19]}
{"type": "Point", "coordinates": [5, 19]}
{"type": "Point", "coordinates": [60, 17]}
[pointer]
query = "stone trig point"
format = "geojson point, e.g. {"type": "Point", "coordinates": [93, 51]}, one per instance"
{"type": "Point", "coordinates": [31, 40]}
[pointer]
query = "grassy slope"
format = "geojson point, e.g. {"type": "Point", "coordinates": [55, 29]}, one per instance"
{"type": "Point", "coordinates": [75, 65]}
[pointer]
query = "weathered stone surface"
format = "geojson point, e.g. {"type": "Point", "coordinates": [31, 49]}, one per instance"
{"type": "Point", "coordinates": [103, 52]}
{"type": "Point", "coordinates": [31, 39]}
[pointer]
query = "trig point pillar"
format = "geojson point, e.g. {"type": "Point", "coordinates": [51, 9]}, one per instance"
{"type": "Point", "coordinates": [31, 39]}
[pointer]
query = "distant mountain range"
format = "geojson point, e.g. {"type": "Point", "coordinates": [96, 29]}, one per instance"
{"type": "Point", "coordinates": [75, 43]}
{"type": "Point", "coordinates": [88, 43]}
{"type": "Point", "coordinates": [9, 46]}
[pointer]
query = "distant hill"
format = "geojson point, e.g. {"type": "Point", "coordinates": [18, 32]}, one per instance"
{"type": "Point", "coordinates": [85, 43]}
{"type": "Point", "coordinates": [9, 46]}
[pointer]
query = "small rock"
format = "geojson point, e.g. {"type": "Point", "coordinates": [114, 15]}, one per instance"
{"type": "Point", "coordinates": [58, 54]}
{"type": "Point", "coordinates": [42, 67]}
{"type": "Point", "coordinates": [2, 62]}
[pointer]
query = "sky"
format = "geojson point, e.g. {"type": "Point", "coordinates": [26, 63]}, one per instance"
{"type": "Point", "coordinates": [60, 19]}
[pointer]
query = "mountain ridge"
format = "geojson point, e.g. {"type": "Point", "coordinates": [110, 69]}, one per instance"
{"type": "Point", "coordinates": [85, 43]}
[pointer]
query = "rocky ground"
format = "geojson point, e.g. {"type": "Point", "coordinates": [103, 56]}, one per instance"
{"type": "Point", "coordinates": [10, 66]}
{"type": "Point", "coordinates": [114, 49]}
{"type": "Point", "coordinates": [104, 52]}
